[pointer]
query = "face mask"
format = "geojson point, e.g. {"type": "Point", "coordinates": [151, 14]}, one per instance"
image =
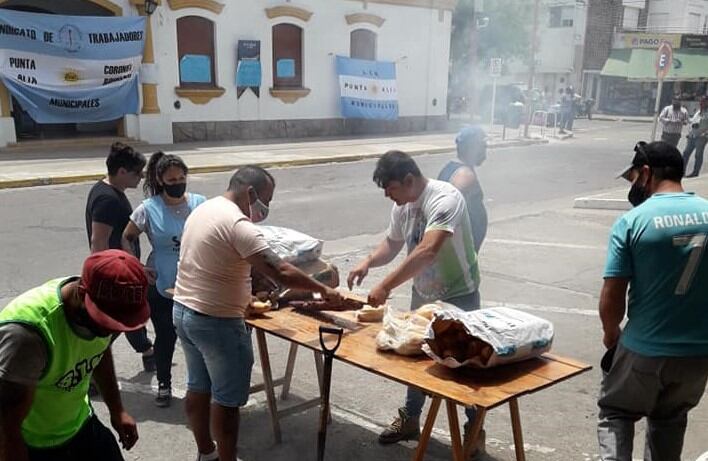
{"type": "Point", "coordinates": [175, 190]}
{"type": "Point", "coordinates": [637, 194]}
{"type": "Point", "coordinates": [258, 210]}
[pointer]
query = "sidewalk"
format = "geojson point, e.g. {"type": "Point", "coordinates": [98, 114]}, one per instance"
{"type": "Point", "coordinates": [25, 168]}
{"type": "Point", "coordinates": [616, 199]}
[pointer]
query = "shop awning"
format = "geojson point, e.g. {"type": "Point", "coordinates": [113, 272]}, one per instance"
{"type": "Point", "coordinates": [638, 65]}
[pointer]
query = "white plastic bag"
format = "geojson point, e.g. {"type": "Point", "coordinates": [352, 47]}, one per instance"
{"type": "Point", "coordinates": [513, 335]}
{"type": "Point", "coordinates": [292, 246]}
{"type": "Point", "coordinates": [403, 332]}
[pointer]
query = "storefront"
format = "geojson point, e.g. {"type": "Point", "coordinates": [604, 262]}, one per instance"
{"type": "Point", "coordinates": [628, 79]}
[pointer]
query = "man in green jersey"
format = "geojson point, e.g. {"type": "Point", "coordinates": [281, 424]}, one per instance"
{"type": "Point", "coordinates": [656, 365]}
{"type": "Point", "coordinates": [53, 338]}
{"type": "Point", "coordinates": [430, 218]}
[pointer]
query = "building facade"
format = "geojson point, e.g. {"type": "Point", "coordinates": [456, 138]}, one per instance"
{"type": "Point", "coordinates": [622, 39]}
{"type": "Point", "coordinates": [188, 77]}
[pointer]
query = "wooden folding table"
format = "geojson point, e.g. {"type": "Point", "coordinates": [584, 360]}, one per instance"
{"type": "Point", "coordinates": [484, 389]}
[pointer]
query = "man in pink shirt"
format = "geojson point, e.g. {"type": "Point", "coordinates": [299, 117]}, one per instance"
{"type": "Point", "coordinates": [219, 246]}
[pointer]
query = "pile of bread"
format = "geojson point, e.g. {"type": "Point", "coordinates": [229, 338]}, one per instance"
{"type": "Point", "coordinates": [452, 340]}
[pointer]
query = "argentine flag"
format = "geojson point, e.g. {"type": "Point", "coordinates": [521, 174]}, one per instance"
{"type": "Point", "coordinates": [367, 89]}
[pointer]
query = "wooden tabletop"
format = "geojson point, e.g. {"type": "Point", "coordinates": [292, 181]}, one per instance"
{"type": "Point", "coordinates": [466, 386]}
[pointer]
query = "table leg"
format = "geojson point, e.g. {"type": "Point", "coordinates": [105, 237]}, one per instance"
{"type": "Point", "coordinates": [516, 428]}
{"type": "Point", "coordinates": [427, 429]}
{"type": "Point", "coordinates": [268, 383]}
{"type": "Point", "coordinates": [474, 431]}
{"type": "Point", "coordinates": [289, 368]}
{"type": "Point", "coordinates": [454, 422]}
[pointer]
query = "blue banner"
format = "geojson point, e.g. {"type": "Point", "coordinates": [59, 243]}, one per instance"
{"type": "Point", "coordinates": [78, 106]}
{"type": "Point", "coordinates": [71, 69]}
{"type": "Point", "coordinates": [367, 89]}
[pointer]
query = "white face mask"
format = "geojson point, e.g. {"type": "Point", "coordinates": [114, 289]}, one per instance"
{"type": "Point", "coordinates": [258, 210]}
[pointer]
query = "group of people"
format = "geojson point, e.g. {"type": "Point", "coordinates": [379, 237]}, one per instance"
{"type": "Point", "coordinates": [673, 118]}
{"type": "Point", "coordinates": [195, 285]}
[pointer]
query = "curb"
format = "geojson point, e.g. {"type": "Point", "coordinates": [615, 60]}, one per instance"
{"type": "Point", "coordinates": [68, 179]}
{"type": "Point", "coordinates": [608, 118]}
{"type": "Point", "coordinates": [593, 203]}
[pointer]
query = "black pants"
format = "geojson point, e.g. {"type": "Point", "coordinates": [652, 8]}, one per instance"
{"type": "Point", "coordinates": [165, 335]}
{"type": "Point", "coordinates": [93, 442]}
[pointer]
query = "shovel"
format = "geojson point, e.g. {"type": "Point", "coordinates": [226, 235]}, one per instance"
{"type": "Point", "coordinates": [326, 383]}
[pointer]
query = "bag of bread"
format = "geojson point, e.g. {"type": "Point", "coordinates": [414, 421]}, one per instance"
{"type": "Point", "coordinates": [403, 332]}
{"type": "Point", "coordinates": [486, 338]}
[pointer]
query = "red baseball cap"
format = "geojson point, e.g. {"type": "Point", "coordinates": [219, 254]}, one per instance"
{"type": "Point", "coordinates": [116, 290]}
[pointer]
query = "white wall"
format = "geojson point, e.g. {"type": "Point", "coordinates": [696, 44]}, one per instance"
{"type": "Point", "coordinates": [414, 38]}
{"type": "Point", "coordinates": [680, 16]}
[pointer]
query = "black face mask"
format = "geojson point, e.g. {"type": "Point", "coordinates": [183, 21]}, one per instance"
{"type": "Point", "coordinates": [175, 190]}
{"type": "Point", "coordinates": [638, 193]}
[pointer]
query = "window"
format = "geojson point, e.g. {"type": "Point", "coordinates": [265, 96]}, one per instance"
{"type": "Point", "coordinates": [195, 49]}
{"type": "Point", "coordinates": [560, 16]}
{"type": "Point", "coordinates": [363, 44]}
{"type": "Point", "coordinates": [287, 56]}
{"type": "Point", "coordinates": [631, 18]}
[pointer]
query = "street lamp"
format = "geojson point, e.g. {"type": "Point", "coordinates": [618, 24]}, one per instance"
{"type": "Point", "coordinates": [150, 6]}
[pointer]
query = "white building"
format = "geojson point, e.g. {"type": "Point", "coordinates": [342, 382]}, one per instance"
{"type": "Point", "coordinates": [415, 34]}
{"type": "Point", "coordinates": [676, 16]}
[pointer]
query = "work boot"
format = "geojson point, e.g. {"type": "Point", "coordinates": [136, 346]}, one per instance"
{"type": "Point", "coordinates": [478, 451]}
{"type": "Point", "coordinates": [403, 427]}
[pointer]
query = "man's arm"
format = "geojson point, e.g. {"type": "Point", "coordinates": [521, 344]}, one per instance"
{"type": "Point", "coordinates": [663, 116]}
{"type": "Point", "coordinates": [464, 179]}
{"type": "Point", "coordinates": [15, 403]}
{"type": "Point", "coordinates": [613, 305]}
{"type": "Point", "coordinates": [105, 377]}
{"type": "Point", "coordinates": [421, 257]}
{"type": "Point", "coordinates": [269, 264]}
{"type": "Point", "coordinates": [382, 255]}
{"type": "Point", "coordinates": [130, 235]}
{"type": "Point", "coordinates": [100, 236]}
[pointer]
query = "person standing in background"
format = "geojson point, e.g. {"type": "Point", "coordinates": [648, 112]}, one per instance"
{"type": "Point", "coordinates": [108, 212]}
{"type": "Point", "coordinates": [672, 119]}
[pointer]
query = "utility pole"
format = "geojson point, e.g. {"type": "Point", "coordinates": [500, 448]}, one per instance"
{"type": "Point", "coordinates": [532, 66]}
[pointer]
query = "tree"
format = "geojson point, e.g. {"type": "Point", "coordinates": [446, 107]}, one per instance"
{"type": "Point", "coordinates": [505, 34]}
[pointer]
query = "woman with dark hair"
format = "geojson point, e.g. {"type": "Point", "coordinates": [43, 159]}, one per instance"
{"type": "Point", "coordinates": [162, 216]}
{"type": "Point", "coordinates": [471, 144]}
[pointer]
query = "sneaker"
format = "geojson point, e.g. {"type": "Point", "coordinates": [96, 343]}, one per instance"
{"type": "Point", "coordinates": [164, 395]}
{"type": "Point", "coordinates": [213, 456]}
{"type": "Point", "coordinates": [478, 451]}
{"type": "Point", "coordinates": [149, 364]}
{"type": "Point", "coordinates": [402, 428]}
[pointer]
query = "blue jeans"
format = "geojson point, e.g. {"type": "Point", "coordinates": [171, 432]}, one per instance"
{"type": "Point", "coordinates": [415, 398]}
{"type": "Point", "coordinates": [219, 355]}
{"type": "Point", "coordinates": [699, 145]}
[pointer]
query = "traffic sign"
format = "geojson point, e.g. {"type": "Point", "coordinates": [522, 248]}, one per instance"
{"type": "Point", "coordinates": [664, 60]}
{"type": "Point", "coordinates": [495, 67]}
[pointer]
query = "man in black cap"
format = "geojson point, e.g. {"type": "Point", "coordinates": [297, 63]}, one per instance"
{"type": "Point", "coordinates": [657, 365]}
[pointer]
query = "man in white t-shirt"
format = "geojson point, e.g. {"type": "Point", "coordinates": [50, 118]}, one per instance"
{"type": "Point", "coordinates": [430, 218]}
{"type": "Point", "coordinates": [219, 246]}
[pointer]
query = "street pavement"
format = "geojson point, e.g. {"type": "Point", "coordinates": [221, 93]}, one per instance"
{"type": "Point", "coordinates": [541, 255]}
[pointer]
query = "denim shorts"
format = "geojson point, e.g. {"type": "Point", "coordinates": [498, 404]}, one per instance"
{"type": "Point", "coordinates": [219, 355]}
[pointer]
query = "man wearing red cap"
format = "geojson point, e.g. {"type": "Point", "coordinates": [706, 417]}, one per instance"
{"type": "Point", "coordinates": [53, 339]}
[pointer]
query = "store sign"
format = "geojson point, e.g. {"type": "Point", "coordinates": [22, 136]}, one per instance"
{"type": "Point", "coordinates": [643, 40]}
{"type": "Point", "coordinates": [694, 41]}
{"type": "Point", "coordinates": [71, 69]}
{"type": "Point", "coordinates": [495, 67]}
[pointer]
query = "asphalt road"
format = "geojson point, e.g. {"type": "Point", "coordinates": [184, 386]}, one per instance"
{"type": "Point", "coordinates": [541, 256]}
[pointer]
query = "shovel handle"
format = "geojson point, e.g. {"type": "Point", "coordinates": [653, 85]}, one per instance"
{"type": "Point", "coordinates": [332, 331]}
